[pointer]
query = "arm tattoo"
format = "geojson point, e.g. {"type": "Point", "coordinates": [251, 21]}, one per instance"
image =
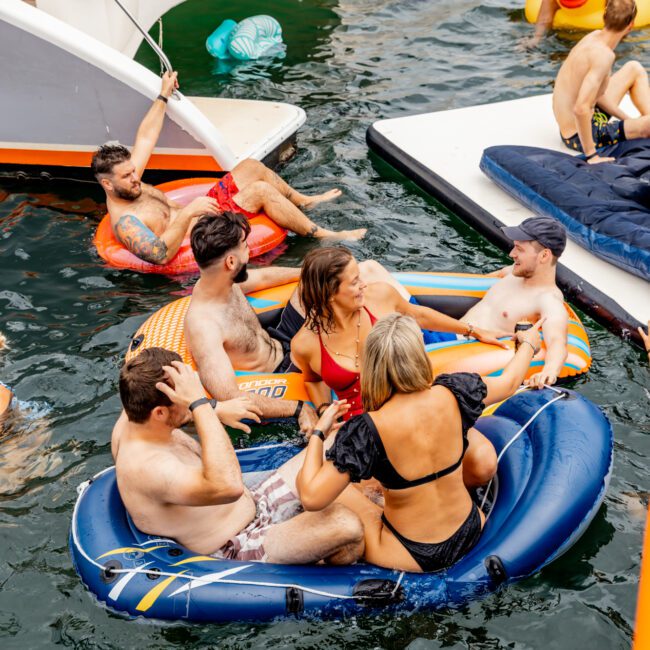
{"type": "Point", "coordinates": [140, 240]}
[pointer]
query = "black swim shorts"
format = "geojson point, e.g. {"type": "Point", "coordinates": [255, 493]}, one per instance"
{"type": "Point", "coordinates": [604, 132]}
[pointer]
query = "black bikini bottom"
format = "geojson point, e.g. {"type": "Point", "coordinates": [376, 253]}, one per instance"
{"type": "Point", "coordinates": [433, 557]}
{"type": "Point", "coordinates": [290, 322]}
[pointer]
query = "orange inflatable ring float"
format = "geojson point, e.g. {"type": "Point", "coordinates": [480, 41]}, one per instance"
{"type": "Point", "coordinates": [165, 328]}
{"type": "Point", "coordinates": [265, 235]}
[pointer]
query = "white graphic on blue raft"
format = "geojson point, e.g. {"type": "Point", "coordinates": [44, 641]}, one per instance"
{"type": "Point", "coordinates": [252, 38]}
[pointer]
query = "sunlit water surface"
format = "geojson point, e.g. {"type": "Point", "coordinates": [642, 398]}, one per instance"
{"type": "Point", "coordinates": [69, 319]}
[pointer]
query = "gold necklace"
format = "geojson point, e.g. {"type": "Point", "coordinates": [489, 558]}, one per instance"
{"type": "Point", "coordinates": [349, 356]}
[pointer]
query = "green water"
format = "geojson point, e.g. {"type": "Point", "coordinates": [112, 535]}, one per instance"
{"type": "Point", "coordinates": [69, 320]}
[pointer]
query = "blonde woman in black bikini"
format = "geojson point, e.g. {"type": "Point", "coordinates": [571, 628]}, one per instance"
{"type": "Point", "coordinates": [412, 439]}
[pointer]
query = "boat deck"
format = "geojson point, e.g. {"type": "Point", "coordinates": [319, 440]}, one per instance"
{"type": "Point", "coordinates": [246, 125]}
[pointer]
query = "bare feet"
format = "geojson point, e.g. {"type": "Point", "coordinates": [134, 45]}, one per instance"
{"type": "Point", "coordinates": [321, 233]}
{"type": "Point", "coordinates": [321, 198]}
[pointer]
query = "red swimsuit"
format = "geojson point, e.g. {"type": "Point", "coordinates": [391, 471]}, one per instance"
{"type": "Point", "coordinates": [345, 383]}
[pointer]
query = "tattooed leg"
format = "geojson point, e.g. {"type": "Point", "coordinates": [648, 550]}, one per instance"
{"type": "Point", "coordinates": [260, 196]}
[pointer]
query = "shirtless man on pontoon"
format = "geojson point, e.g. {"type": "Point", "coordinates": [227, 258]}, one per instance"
{"type": "Point", "coordinates": [153, 227]}
{"type": "Point", "coordinates": [193, 492]}
{"type": "Point", "coordinates": [586, 97]}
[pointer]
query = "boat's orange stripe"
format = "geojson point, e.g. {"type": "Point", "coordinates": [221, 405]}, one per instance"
{"type": "Point", "coordinates": [47, 157]}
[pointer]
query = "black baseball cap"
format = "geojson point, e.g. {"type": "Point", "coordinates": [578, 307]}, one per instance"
{"type": "Point", "coordinates": [548, 232]}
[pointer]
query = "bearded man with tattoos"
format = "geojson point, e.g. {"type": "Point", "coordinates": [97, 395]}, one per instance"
{"type": "Point", "coordinates": [153, 227]}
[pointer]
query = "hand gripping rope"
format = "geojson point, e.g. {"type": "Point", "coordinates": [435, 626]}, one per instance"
{"type": "Point", "coordinates": [561, 395]}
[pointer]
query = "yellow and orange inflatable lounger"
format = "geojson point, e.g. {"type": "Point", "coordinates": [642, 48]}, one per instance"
{"type": "Point", "coordinates": [5, 398]}
{"type": "Point", "coordinates": [451, 293]}
{"type": "Point", "coordinates": [265, 235]}
{"type": "Point", "coordinates": [584, 14]}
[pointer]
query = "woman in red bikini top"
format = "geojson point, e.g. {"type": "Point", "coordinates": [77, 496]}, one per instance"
{"type": "Point", "coordinates": [340, 310]}
{"type": "Point", "coordinates": [328, 347]}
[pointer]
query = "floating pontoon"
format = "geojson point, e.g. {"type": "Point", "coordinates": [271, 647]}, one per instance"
{"type": "Point", "coordinates": [441, 153]}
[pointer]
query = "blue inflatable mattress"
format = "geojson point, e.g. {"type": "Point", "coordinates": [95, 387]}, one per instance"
{"type": "Point", "coordinates": [605, 207]}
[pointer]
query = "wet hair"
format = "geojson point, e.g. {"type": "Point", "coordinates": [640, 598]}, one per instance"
{"type": "Point", "coordinates": [138, 379]}
{"type": "Point", "coordinates": [394, 361]}
{"type": "Point", "coordinates": [106, 157]}
{"type": "Point", "coordinates": [320, 279]}
{"type": "Point", "coordinates": [619, 14]}
{"type": "Point", "coordinates": [214, 235]}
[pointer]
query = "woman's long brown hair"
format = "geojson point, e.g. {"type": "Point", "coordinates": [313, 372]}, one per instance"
{"type": "Point", "coordinates": [320, 279]}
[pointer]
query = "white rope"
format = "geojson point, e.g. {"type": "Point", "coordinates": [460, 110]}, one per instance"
{"type": "Point", "coordinates": [188, 576]}
{"type": "Point", "coordinates": [561, 395]}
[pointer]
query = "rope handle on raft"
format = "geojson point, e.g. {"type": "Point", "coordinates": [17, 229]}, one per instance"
{"type": "Point", "coordinates": [561, 395]}
{"type": "Point", "coordinates": [82, 487]}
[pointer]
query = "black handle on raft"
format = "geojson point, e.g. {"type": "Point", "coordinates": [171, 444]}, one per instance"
{"type": "Point", "coordinates": [294, 600]}
{"type": "Point", "coordinates": [136, 341]}
{"type": "Point", "coordinates": [495, 569]}
{"type": "Point", "coordinates": [108, 573]}
{"type": "Point", "coordinates": [377, 593]}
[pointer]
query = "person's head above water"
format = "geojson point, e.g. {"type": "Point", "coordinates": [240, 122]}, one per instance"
{"type": "Point", "coordinates": [538, 242]}
{"type": "Point", "coordinates": [113, 169]}
{"type": "Point", "coordinates": [619, 15]}
{"type": "Point", "coordinates": [141, 399]}
{"type": "Point", "coordinates": [219, 243]}
{"type": "Point", "coordinates": [329, 278]}
{"type": "Point", "coordinates": [394, 361]}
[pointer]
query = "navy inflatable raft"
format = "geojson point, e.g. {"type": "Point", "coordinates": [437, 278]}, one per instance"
{"type": "Point", "coordinates": [605, 208]}
{"type": "Point", "coordinates": [555, 461]}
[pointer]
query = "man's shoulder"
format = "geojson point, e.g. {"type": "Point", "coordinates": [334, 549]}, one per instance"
{"type": "Point", "coordinates": [204, 307]}
{"type": "Point", "coordinates": [592, 50]}
{"type": "Point", "coordinates": [378, 293]}
{"type": "Point", "coordinates": [141, 463]}
{"type": "Point", "coordinates": [125, 216]}
{"type": "Point", "coordinates": [552, 296]}
{"type": "Point", "coordinates": [508, 281]}
{"type": "Point", "coordinates": [205, 322]}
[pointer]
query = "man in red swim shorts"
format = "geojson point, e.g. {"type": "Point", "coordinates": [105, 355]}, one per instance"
{"type": "Point", "coordinates": [153, 227]}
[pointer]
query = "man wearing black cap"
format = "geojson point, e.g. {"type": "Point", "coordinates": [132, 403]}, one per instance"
{"type": "Point", "coordinates": [527, 291]}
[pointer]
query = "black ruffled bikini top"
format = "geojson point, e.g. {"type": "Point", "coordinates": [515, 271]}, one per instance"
{"type": "Point", "coordinates": [359, 450]}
